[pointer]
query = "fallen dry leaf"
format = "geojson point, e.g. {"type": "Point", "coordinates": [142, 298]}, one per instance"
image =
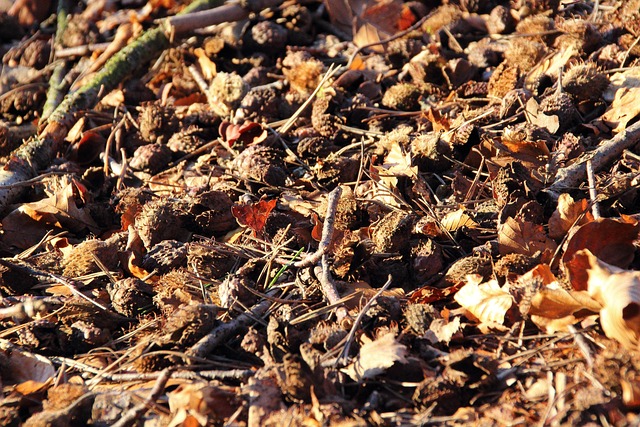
{"type": "Point", "coordinates": [27, 224]}
{"type": "Point", "coordinates": [442, 330]}
{"type": "Point", "coordinates": [567, 214]}
{"type": "Point", "coordinates": [610, 240]}
{"type": "Point", "coordinates": [523, 237]}
{"type": "Point", "coordinates": [618, 291]}
{"type": "Point", "coordinates": [487, 302]}
{"type": "Point", "coordinates": [537, 117]}
{"type": "Point", "coordinates": [376, 357]}
{"type": "Point", "coordinates": [624, 95]}
{"type": "Point", "coordinates": [453, 221]}
{"type": "Point", "coordinates": [25, 366]}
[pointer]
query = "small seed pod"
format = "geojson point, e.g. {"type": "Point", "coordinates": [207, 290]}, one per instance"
{"type": "Point", "coordinates": [162, 219]}
{"type": "Point", "coordinates": [402, 97]}
{"type": "Point", "coordinates": [131, 296]}
{"type": "Point", "coordinates": [151, 158]}
{"type": "Point", "coordinates": [157, 122]}
{"type": "Point", "coordinates": [260, 163]}
{"type": "Point", "coordinates": [165, 256]}
{"type": "Point", "coordinates": [81, 261]}
{"type": "Point", "coordinates": [585, 82]}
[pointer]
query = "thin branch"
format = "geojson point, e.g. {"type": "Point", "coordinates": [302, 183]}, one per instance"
{"type": "Point", "coordinates": [593, 191]}
{"type": "Point", "coordinates": [220, 333]}
{"type": "Point", "coordinates": [132, 415]}
{"type": "Point", "coordinates": [608, 151]}
{"type": "Point", "coordinates": [327, 230]}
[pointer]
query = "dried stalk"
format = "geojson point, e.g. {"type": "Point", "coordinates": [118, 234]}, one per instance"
{"type": "Point", "coordinates": [593, 191]}
{"type": "Point", "coordinates": [608, 151]}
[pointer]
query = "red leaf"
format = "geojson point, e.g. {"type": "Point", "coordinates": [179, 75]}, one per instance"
{"type": "Point", "coordinates": [253, 215]}
{"type": "Point", "coordinates": [316, 233]}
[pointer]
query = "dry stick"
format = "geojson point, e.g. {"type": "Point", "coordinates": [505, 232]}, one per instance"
{"type": "Point", "coordinates": [17, 265]}
{"type": "Point", "coordinates": [57, 85]}
{"type": "Point", "coordinates": [607, 152]}
{"type": "Point", "coordinates": [327, 230]}
{"type": "Point", "coordinates": [329, 288]}
{"type": "Point", "coordinates": [220, 333]}
{"type": "Point", "coordinates": [593, 192]}
{"type": "Point", "coordinates": [130, 417]}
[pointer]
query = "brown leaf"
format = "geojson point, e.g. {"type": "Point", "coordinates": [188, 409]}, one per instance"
{"type": "Point", "coordinates": [29, 223]}
{"type": "Point", "coordinates": [369, 21]}
{"type": "Point", "coordinates": [376, 357]}
{"type": "Point", "coordinates": [253, 215]}
{"type": "Point", "coordinates": [439, 122]}
{"type": "Point", "coordinates": [523, 237]}
{"type": "Point", "coordinates": [453, 221]}
{"type": "Point", "coordinates": [618, 291]}
{"type": "Point", "coordinates": [442, 330]}
{"type": "Point", "coordinates": [30, 12]}
{"type": "Point", "coordinates": [87, 149]}
{"type": "Point", "coordinates": [242, 135]}
{"type": "Point", "coordinates": [610, 240]}
{"type": "Point", "coordinates": [567, 213]}
{"type": "Point", "coordinates": [624, 95]}
{"type": "Point", "coordinates": [429, 294]}
{"type": "Point", "coordinates": [537, 117]}
{"type": "Point", "coordinates": [24, 366]}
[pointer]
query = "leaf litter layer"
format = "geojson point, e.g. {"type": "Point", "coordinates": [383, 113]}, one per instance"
{"type": "Point", "coordinates": [338, 213]}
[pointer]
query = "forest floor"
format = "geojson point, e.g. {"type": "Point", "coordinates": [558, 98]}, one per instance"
{"type": "Point", "coordinates": [320, 213]}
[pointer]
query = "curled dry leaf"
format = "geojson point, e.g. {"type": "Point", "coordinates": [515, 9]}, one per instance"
{"type": "Point", "coordinates": [24, 366]}
{"type": "Point", "coordinates": [608, 239]}
{"type": "Point", "coordinates": [376, 356]}
{"type": "Point", "coordinates": [487, 302]}
{"type": "Point", "coordinates": [26, 225]}
{"type": "Point", "coordinates": [442, 330]}
{"type": "Point", "coordinates": [539, 118]}
{"type": "Point", "coordinates": [618, 291]}
{"type": "Point", "coordinates": [200, 404]}
{"type": "Point", "coordinates": [567, 213]}
{"type": "Point", "coordinates": [624, 94]}
{"type": "Point", "coordinates": [551, 307]}
{"type": "Point", "coordinates": [453, 221]}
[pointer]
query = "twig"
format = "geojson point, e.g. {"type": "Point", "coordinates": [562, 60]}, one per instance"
{"type": "Point", "coordinates": [327, 230]}
{"type": "Point", "coordinates": [236, 374]}
{"type": "Point", "coordinates": [80, 50]}
{"type": "Point", "coordinates": [220, 333]}
{"type": "Point", "coordinates": [607, 152]}
{"type": "Point", "coordinates": [593, 191]}
{"type": "Point", "coordinates": [329, 288]}
{"type": "Point", "coordinates": [27, 269]}
{"type": "Point", "coordinates": [57, 84]}
{"type": "Point", "coordinates": [130, 417]}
